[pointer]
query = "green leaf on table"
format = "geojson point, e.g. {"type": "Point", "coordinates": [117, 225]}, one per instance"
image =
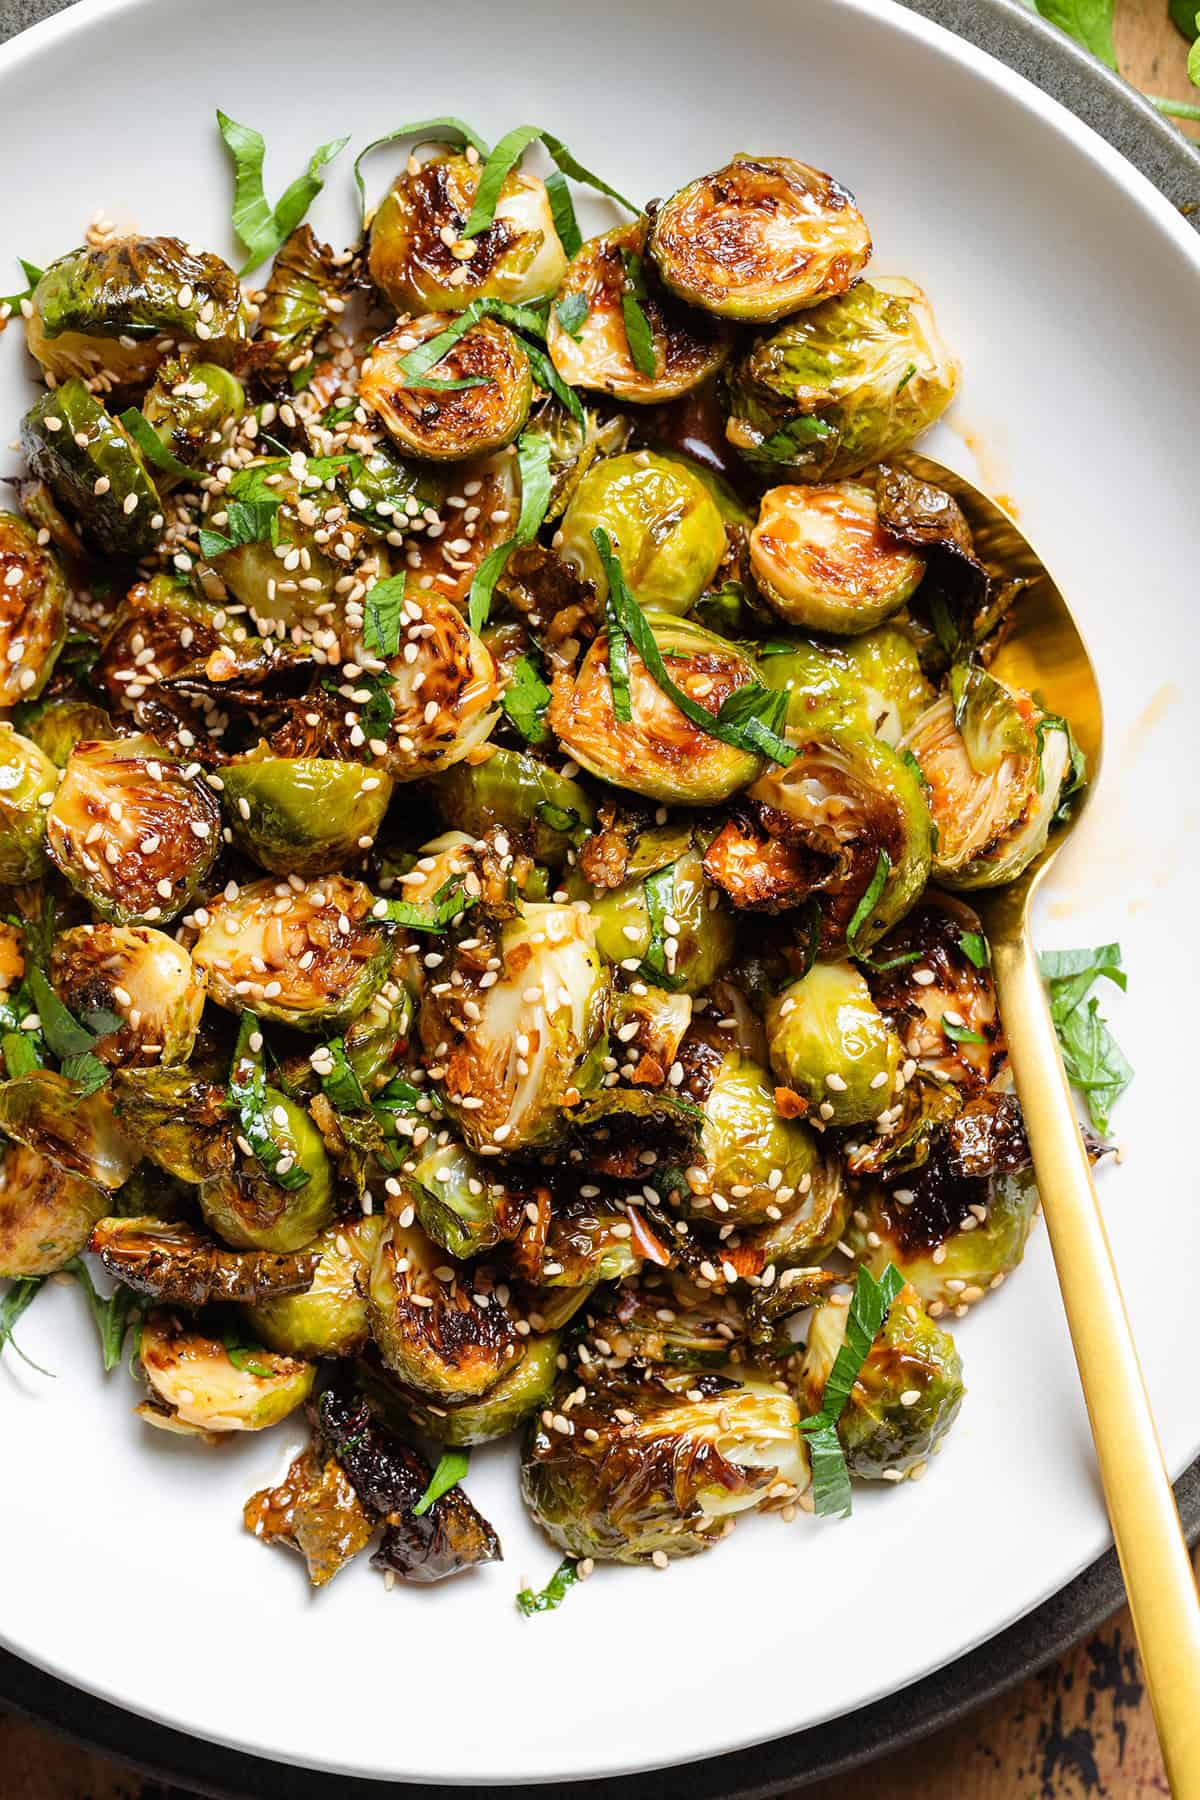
{"type": "Point", "coordinates": [1089, 22]}
{"type": "Point", "coordinates": [1092, 1058]}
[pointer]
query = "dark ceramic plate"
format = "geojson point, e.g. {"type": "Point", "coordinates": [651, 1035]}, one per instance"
{"type": "Point", "coordinates": [1006, 30]}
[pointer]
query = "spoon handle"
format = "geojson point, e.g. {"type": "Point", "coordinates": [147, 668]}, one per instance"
{"type": "Point", "coordinates": [1154, 1558]}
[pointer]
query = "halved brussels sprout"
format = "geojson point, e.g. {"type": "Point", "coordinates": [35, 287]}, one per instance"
{"type": "Point", "coordinates": [133, 830]}
{"type": "Point", "coordinates": [442, 694]}
{"type": "Point", "coordinates": [330, 1317]}
{"type": "Point", "coordinates": [113, 309]}
{"type": "Point", "coordinates": [305, 594]}
{"type": "Point", "coordinates": [681, 1325]}
{"type": "Point", "coordinates": [515, 1046]}
{"type": "Point", "coordinates": [659, 1020]}
{"type": "Point", "coordinates": [760, 238]}
{"type": "Point", "coordinates": [834, 389]}
{"type": "Point", "coordinates": [751, 1163]}
{"type": "Point", "coordinates": [440, 1336]}
{"type": "Point", "coordinates": [45, 1112]}
{"type": "Point", "coordinates": [141, 979]}
{"type": "Point", "coordinates": [824, 562]}
{"type": "Point", "coordinates": [949, 1024]}
{"type": "Point", "coordinates": [61, 724]}
{"type": "Point", "coordinates": [688, 347]}
{"type": "Point", "coordinates": [852, 808]}
{"type": "Point", "coordinates": [307, 957]}
{"type": "Point", "coordinates": [658, 752]}
{"type": "Point", "coordinates": [33, 616]}
{"type": "Point", "coordinates": [429, 560]}
{"type": "Point", "coordinates": [314, 1510]}
{"type": "Point", "coordinates": [994, 766]}
{"type": "Point", "coordinates": [46, 1215]}
{"type": "Point", "coordinates": [476, 398]}
{"type": "Point", "coordinates": [664, 524]}
{"type": "Point", "coordinates": [527, 1387]}
{"type": "Point", "coordinates": [658, 1461]}
{"type": "Point", "coordinates": [94, 469]}
{"type": "Point", "coordinates": [193, 407]}
{"type": "Point", "coordinates": [179, 1117]}
{"type": "Point", "coordinates": [305, 292]}
{"type": "Point", "coordinates": [160, 628]}
{"type": "Point", "coordinates": [416, 253]}
{"type": "Point", "coordinates": [28, 782]}
{"type": "Point", "coordinates": [200, 1383]}
{"type": "Point", "coordinates": [873, 682]}
{"type": "Point", "coordinates": [520, 795]}
{"type": "Point", "coordinates": [302, 815]}
{"type": "Point", "coordinates": [587, 1242]}
{"type": "Point", "coordinates": [663, 917]}
{"type": "Point", "coordinates": [376, 1040]}
{"type": "Point", "coordinates": [888, 667]}
{"type": "Point", "coordinates": [907, 1393]}
{"type": "Point", "coordinates": [178, 1266]}
{"type": "Point", "coordinates": [956, 1226]}
{"type": "Point", "coordinates": [458, 1205]}
{"type": "Point", "coordinates": [249, 1210]}
{"type": "Point", "coordinates": [812, 1226]}
{"type": "Point", "coordinates": [829, 1042]}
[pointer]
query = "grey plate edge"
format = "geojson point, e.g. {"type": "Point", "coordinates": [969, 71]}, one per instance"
{"type": "Point", "coordinates": [1026, 43]}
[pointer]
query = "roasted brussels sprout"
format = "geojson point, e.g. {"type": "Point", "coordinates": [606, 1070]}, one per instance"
{"type": "Point", "coordinates": [527, 1387]}
{"type": "Point", "coordinates": [308, 957]}
{"type": "Point", "coordinates": [663, 523]}
{"type": "Point", "coordinates": [251, 1211]}
{"type": "Point", "coordinates": [376, 1040]}
{"type": "Point", "coordinates": [873, 682]}
{"type": "Point", "coordinates": [445, 1339]}
{"type": "Point", "coordinates": [330, 1317]}
{"type": "Point", "coordinates": [314, 1510]}
{"type": "Point", "coordinates": [201, 1383]}
{"type": "Point", "coordinates": [176, 1265]}
{"type": "Point", "coordinates": [179, 1117]}
{"type": "Point", "coordinates": [112, 310]}
{"type": "Point", "coordinates": [750, 1163]}
{"type": "Point", "coordinates": [302, 815]}
{"type": "Point", "coordinates": [137, 981]}
{"type": "Point", "coordinates": [658, 1461]}
{"type": "Point", "coordinates": [305, 292]}
{"type": "Point", "coordinates": [887, 666]}
{"type": "Point", "coordinates": [161, 628]}
{"type": "Point", "coordinates": [33, 617]}
{"type": "Point", "coordinates": [680, 1325]}
{"type": "Point", "coordinates": [606, 273]}
{"type": "Point", "coordinates": [514, 1053]}
{"type": "Point", "coordinates": [303, 595]}
{"type": "Point", "coordinates": [843, 385]}
{"type": "Point", "coordinates": [519, 794]}
{"type": "Point", "coordinates": [61, 724]}
{"type": "Point", "coordinates": [949, 1024]}
{"type": "Point", "coordinates": [416, 253]}
{"type": "Point", "coordinates": [829, 1042]}
{"type": "Point", "coordinates": [811, 1226]}
{"type": "Point", "coordinates": [442, 694]}
{"type": "Point", "coordinates": [133, 829]}
{"type": "Point", "coordinates": [994, 766]}
{"type": "Point", "coordinates": [476, 398]}
{"type": "Point", "coordinates": [28, 781]}
{"type": "Point", "coordinates": [824, 562]}
{"type": "Point", "coordinates": [663, 917]}
{"type": "Point", "coordinates": [193, 407]}
{"type": "Point", "coordinates": [658, 752]}
{"type": "Point", "coordinates": [46, 1215]}
{"type": "Point", "coordinates": [649, 1024]}
{"type": "Point", "coordinates": [94, 468]}
{"type": "Point", "coordinates": [46, 1113]}
{"type": "Point", "coordinates": [458, 1205]}
{"type": "Point", "coordinates": [907, 1393]}
{"type": "Point", "coordinates": [760, 238]}
{"type": "Point", "coordinates": [956, 1226]}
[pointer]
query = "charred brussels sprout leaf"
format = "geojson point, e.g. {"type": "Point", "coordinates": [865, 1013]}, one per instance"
{"type": "Point", "coordinates": [28, 780]}
{"type": "Point", "coordinates": [316, 974]}
{"type": "Point", "coordinates": [662, 521]}
{"type": "Point", "coordinates": [179, 1118]}
{"type": "Point", "coordinates": [33, 621]}
{"type": "Point", "coordinates": [305, 292]}
{"type": "Point", "coordinates": [824, 562]}
{"type": "Point", "coordinates": [520, 795]}
{"type": "Point", "coordinates": [458, 1204]}
{"type": "Point", "coordinates": [44, 1112]}
{"type": "Point", "coordinates": [303, 816]}
{"type": "Point", "coordinates": [842, 385]}
{"type": "Point", "coordinates": [172, 1263]}
{"type": "Point", "coordinates": [475, 399]}
{"type": "Point", "coordinates": [527, 1387]}
{"type": "Point", "coordinates": [132, 829]}
{"type": "Point", "coordinates": [316, 1511]}
{"type": "Point", "coordinates": [204, 1385]}
{"type": "Point", "coordinates": [329, 1318]}
{"type": "Point", "coordinates": [686, 347]}
{"type": "Point", "coordinates": [434, 1335]}
{"type": "Point", "coordinates": [760, 238]}
{"type": "Point", "coordinates": [829, 1042]}
{"type": "Point", "coordinates": [108, 310]}
{"type": "Point", "coordinates": [61, 724]}
{"type": "Point", "coordinates": [133, 987]}
{"type": "Point", "coordinates": [94, 468]}
{"type": "Point", "coordinates": [46, 1214]}
{"type": "Point", "coordinates": [659, 1462]}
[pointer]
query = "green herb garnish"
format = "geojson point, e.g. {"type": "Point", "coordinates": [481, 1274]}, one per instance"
{"type": "Point", "coordinates": [866, 905]}
{"type": "Point", "coordinates": [1093, 1059]}
{"type": "Point", "coordinates": [73, 1043]}
{"type": "Point", "coordinates": [19, 1298]}
{"type": "Point", "coordinates": [248, 1093]}
{"type": "Point", "coordinates": [342, 1086]}
{"type": "Point", "coordinates": [525, 700]}
{"type": "Point", "coordinates": [505, 157]}
{"type": "Point", "coordinates": [868, 1312]}
{"type": "Point", "coordinates": [533, 461]}
{"type": "Point", "coordinates": [383, 616]}
{"type": "Point", "coordinates": [962, 1034]}
{"type": "Point", "coordinates": [572, 311]}
{"type": "Point", "coordinates": [975, 948]}
{"type": "Point", "coordinates": [564, 1578]}
{"type": "Point", "coordinates": [260, 227]}
{"type": "Point", "coordinates": [1089, 22]}
{"type": "Point", "coordinates": [639, 333]}
{"type": "Point", "coordinates": [450, 900]}
{"type": "Point", "coordinates": [150, 444]}
{"type": "Point", "coordinates": [423, 131]}
{"type": "Point", "coordinates": [32, 275]}
{"type": "Point", "coordinates": [451, 1468]}
{"type": "Point", "coordinates": [114, 1314]}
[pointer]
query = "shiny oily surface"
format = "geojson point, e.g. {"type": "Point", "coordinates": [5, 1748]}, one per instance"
{"type": "Point", "coordinates": [1068, 289]}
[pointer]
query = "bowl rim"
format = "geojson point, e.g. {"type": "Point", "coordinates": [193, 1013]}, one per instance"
{"type": "Point", "coordinates": [1165, 168]}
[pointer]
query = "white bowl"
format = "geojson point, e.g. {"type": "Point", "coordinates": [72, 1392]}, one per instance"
{"type": "Point", "coordinates": [1069, 289]}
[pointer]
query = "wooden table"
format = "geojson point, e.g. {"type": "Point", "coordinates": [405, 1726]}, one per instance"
{"type": "Point", "coordinates": [1081, 1729]}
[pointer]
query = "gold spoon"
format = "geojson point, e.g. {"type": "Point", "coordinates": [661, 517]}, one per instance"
{"type": "Point", "coordinates": [1045, 652]}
